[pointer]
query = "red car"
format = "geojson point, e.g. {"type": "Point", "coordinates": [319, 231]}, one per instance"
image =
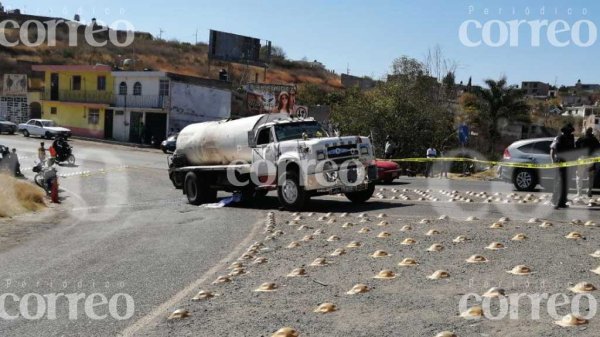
{"type": "Point", "coordinates": [387, 170]}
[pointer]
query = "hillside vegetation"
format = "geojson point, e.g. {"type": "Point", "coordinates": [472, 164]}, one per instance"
{"type": "Point", "coordinates": [173, 56]}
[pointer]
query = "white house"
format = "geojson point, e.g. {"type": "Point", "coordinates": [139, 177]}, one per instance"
{"type": "Point", "coordinates": [150, 103]}
{"type": "Point", "coordinates": [581, 111]}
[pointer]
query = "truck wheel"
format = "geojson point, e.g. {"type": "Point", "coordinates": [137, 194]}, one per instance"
{"type": "Point", "coordinates": [177, 179]}
{"type": "Point", "coordinates": [290, 194]}
{"type": "Point", "coordinates": [361, 196]}
{"type": "Point", "coordinates": [198, 190]}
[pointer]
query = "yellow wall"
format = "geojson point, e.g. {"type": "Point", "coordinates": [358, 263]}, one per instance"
{"type": "Point", "coordinates": [75, 117]}
{"type": "Point", "coordinates": [89, 80]}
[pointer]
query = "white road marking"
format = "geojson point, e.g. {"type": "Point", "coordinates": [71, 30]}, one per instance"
{"type": "Point", "coordinates": [162, 309]}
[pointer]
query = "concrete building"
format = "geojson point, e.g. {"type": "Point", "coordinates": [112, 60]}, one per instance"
{"type": "Point", "coordinates": [149, 103]}
{"type": "Point", "coordinates": [535, 89]}
{"type": "Point", "coordinates": [582, 111]}
{"type": "Point", "coordinates": [363, 83]}
{"type": "Point", "coordinates": [77, 97]}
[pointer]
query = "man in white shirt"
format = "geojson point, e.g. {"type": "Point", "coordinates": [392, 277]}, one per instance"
{"type": "Point", "coordinates": [431, 153]}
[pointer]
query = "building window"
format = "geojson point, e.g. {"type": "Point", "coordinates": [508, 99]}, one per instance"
{"type": "Point", "coordinates": [93, 116]}
{"type": "Point", "coordinates": [76, 82]}
{"type": "Point", "coordinates": [101, 86]}
{"type": "Point", "coordinates": [123, 88]}
{"type": "Point", "coordinates": [163, 88]}
{"type": "Point", "coordinates": [53, 110]}
{"type": "Point", "coordinates": [137, 89]}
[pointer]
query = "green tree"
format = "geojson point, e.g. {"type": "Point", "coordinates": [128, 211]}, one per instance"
{"type": "Point", "coordinates": [500, 101]}
{"type": "Point", "coordinates": [409, 107]}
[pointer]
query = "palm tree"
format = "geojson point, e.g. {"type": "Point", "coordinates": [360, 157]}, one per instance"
{"type": "Point", "coordinates": [498, 101]}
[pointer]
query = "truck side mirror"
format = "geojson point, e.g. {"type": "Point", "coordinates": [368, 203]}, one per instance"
{"type": "Point", "coordinates": [251, 140]}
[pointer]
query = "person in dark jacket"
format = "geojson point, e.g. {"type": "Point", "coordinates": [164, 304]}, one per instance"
{"type": "Point", "coordinates": [560, 151]}
{"type": "Point", "coordinates": [587, 145]}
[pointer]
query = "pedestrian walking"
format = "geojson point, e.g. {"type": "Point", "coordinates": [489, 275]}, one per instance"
{"type": "Point", "coordinates": [586, 146]}
{"type": "Point", "coordinates": [560, 151]}
{"type": "Point", "coordinates": [444, 164]}
{"type": "Point", "coordinates": [431, 153]}
{"type": "Point", "coordinates": [390, 147]}
{"type": "Point", "coordinates": [42, 153]}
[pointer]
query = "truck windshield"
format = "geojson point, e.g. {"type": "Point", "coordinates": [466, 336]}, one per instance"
{"type": "Point", "coordinates": [292, 131]}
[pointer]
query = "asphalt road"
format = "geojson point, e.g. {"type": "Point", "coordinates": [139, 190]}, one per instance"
{"type": "Point", "coordinates": [124, 229]}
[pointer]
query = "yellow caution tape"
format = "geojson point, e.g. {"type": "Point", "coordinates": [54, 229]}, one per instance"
{"type": "Point", "coordinates": [579, 162]}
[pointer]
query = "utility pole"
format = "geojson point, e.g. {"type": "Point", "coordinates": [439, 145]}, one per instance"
{"type": "Point", "coordinates": [196, 35]}
{"type": "Point", "coordinates": [160, 32]}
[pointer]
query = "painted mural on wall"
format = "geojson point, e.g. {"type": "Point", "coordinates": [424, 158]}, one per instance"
{"type": "Point", "coordinates": [14, 85]}
{"type": "Point", "coordinates": [193, 104]}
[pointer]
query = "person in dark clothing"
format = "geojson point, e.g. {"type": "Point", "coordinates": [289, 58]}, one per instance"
{"type": "Point", "coordinates": [587, 145]}
{"type": "Point", "coordinates": [560, 151]}
{"type": "Point", "coordinates": [15, 166]}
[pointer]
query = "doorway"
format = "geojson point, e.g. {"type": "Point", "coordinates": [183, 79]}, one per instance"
{"type": "Point", "coordinates": [135, 131]}
{"type": "Point", "coordinates": [108, 124]}
{"type": "Point", "coordinates": [35, 110]}
{"type": "Point", "coordinates": [156, 126]}
{"type": "Point", "coordinates": [54, 89]}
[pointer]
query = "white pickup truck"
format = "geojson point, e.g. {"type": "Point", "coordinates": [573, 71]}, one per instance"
{"type": "Point", "coordinates": [43, 128]}
{"type": "Point", "coordinates": [256, 154]}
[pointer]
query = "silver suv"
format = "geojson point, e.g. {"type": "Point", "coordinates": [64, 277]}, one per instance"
{"type": "Point", "coordinates": [534, 151]}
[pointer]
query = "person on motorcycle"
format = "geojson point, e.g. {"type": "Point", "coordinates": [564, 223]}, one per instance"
{"type": "Point", "coordinates": [61, 147]}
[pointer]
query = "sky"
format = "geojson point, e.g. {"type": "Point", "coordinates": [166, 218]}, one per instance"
{"type": "Point", "coordinates": [364, 37]}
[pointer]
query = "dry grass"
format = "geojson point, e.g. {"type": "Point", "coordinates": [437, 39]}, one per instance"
{"type": "Point", "coordinates": [19, 196]}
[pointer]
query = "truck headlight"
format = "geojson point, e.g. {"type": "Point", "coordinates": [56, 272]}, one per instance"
{"type": "Point", "coordinates": [320, 155]}
{"type": "Point", "coordinates": [331, 176]}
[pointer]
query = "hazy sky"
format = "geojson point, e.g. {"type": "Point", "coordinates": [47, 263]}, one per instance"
{"type": "Point", "coordinates": [366, 36]}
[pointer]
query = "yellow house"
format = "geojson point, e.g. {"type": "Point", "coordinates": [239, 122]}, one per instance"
{"type": "Point", "coordinates": [77, 97]}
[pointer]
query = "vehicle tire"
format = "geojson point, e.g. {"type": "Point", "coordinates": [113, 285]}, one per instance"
{"type": "Point", "coordinates": [198, 190]}
{"type": "Point", "coordinates": [47, 135]}
{"type": "Point", "coordinates": [164, 150]}
{"type": "Point", "coordinates": [361, 196]}
{"type": "Point", "coordinates": [39, 179]}
{"type": "Point", "coordinates": [25, 133]}
{"type": "Point", "coordinates": [71, 160]}
{"type": "Point", "coordinates": [177, 179]}
{"type": "Point", "coordinates": [524, 180]}
{"type": "Point", "coordinates": [291, 195]}
{"type": "Point", "coordinates": [388, 181]}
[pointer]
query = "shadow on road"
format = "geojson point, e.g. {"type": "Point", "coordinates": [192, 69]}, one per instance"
{"type": "Point", "coordinates": [321, 205]}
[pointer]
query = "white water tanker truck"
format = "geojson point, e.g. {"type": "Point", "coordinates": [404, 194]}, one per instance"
{"type": "Point", "coordinates": [256, 154]}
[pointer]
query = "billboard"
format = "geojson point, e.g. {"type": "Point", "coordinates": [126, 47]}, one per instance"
{"type": "Point", "coordinates": [14, 85]}
{"type": "Point", "coordinates": [273, 98]}
{"type": "Point", "coordinates": [194, 104]}
{"type": "Point", "coordinates": [236, 48]}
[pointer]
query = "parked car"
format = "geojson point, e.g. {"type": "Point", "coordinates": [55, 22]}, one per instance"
{"type": "Point", "coordinates": [43, 128]}
{"type": "Point", "coordinates": [168, 145]}
{"type": "Point", "coordinates": [7, 126]}
{"type": "Point", "coordinates": [387, 171]}
{"type": "Point", "coordinates": [534, 151]}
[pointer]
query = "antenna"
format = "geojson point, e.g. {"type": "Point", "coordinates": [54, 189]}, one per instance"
{"type": "Point", "coordinates": [348, 69]}
{"type": "Point", "coordinates": [160, 32]}
{"type": "Point", "coordinates": [196, 35]}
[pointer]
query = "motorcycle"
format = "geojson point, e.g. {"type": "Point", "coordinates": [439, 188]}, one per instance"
{"type": "Point", "coordinates": [44, 176]}
{"type": "Point", "coordinates": [65, 155]}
